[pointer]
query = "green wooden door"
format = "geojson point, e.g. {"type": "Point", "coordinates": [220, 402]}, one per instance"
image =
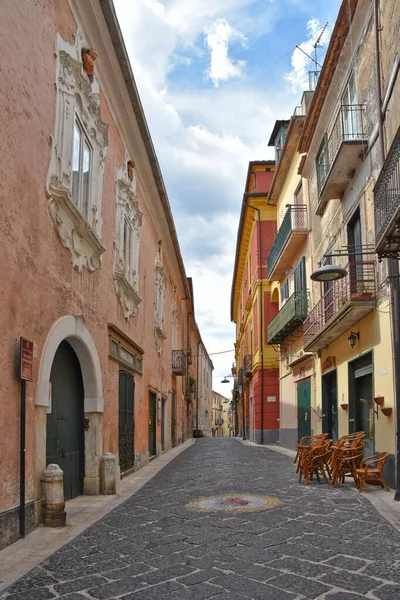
{"type": "Point", "coordinates": [126, 421]}
{"type": "Point", "coordinates": [163, 407]}
{"type": "Point", "coordinates": [303, 408]}
{"type": "Point", "coordinates": [65, 431]}
{"type": "Point", "coordinates": [152, 424]}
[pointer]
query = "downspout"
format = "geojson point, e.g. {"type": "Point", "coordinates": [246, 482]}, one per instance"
{"type": "Point", "coordinates": [197, 388]}
{"type": "Point", "coordinates": [261, 316]}
{"type": "Point", "coordinates": [393, 264]}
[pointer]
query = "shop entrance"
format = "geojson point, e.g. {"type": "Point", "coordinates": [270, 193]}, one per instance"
{"type": "Point", "coordinates": [329, 405]}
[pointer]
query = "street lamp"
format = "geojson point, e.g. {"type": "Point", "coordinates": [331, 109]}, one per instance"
{"type": "Point", "coordinates": [328, 273]}
{"type": "Point", "coordinates": [226, 380]}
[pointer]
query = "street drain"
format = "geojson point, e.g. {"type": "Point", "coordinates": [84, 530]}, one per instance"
{"type": "Point", "coordinates": [233, 503]}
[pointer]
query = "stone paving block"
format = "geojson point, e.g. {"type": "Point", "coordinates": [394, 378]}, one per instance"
{"type": "Point", "coordinates": [171, 548]}
{"type": "Point", "coordinates": [37, 578]}
{"type": "Point", "coordinates": [117, 588]}
{"type": "Point", "coordinates": [251, 589]}
{"type": "Point", "coordinates": [165, 574]}
{"type": "Point", "coordinates": [136, 568]}
{"type": "Point", "coordinates": [33, 594]}
{"type": "Point", "coordinates": [388, 592]}
{"type": "Point", "coordinates": [300, 567]}
{"type": "Point", "coordinates": [350, 563]}
{"type": "Point", "coordinates": [196, 592]}
{"type": "Point", "coordinates": [197, 577]}
{"type": "Point", "coordinates": [299, 585]}
{"type": "Point", "coordinates": [354, 582]}
{"type": "Point", "coordinates": [77, 585]}
{"type": "Point", "coordinates": [156, 592]}
{"type": "Point", "coordinates": [257, 572]}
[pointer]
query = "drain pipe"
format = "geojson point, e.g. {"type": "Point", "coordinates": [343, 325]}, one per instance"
{"type": "Point", "coordinates": [393, 264]}
{"type": "Point", "coordinates": [261, 316]}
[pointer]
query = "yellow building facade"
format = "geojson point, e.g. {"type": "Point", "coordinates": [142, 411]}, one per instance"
{"type": "Point", "coordinates": [336, 326]}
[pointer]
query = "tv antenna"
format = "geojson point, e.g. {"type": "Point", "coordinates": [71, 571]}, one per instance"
{"type": "Point", "coordinates": [317, 44]}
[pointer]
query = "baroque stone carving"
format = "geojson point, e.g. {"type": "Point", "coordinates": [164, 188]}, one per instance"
{"type": "Point", "coordinates": [161, 286]}
{"type": "Point", "coordinates": [126, 263]}
{"type": "Point", "coordinates": [76, 98]}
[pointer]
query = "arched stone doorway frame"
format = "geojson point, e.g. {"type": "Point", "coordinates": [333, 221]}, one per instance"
{"type": "Point", "coordinates": [73, 330]}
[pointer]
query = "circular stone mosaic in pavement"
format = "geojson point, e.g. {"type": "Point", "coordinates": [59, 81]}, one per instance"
{"type": "Point", "coordinates": [233, 503]}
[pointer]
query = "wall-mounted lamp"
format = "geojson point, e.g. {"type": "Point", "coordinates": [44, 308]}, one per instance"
{"type": "Point", "coordinates": [352, 339]}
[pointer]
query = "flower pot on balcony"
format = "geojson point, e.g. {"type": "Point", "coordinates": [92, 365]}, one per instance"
{"type": "Point", "coordinates": [361, 296]}
{"type": "Point", "coordinates": [344, 406]}
{"type": "Point", "coordinates": [386, 411]}
{"type": "Point", "coordinates": [379, 400]}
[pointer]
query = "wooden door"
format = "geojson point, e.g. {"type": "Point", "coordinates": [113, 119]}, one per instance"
{"type": "Point", "coordinates": [126, 426]}
{"type": "Point", "coordinates": [304, 408]}
{"type": "Point", "coordinates": [65, 422]}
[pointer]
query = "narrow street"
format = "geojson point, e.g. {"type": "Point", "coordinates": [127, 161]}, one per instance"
{"type": "Point", "coordinates": [312, 542]}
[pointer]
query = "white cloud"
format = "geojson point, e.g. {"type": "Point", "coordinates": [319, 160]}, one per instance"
{"type": "Point", "coordinates": [204, 135]}
{"type": "Point", "coordinates": [221, 67]}
{"type": "Point", "coordinates": [298, 76]}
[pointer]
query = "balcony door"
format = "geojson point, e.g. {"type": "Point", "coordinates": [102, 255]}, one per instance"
{"type": "Point", "coordinates": [300, 287]}
{"type": "Point", "coordinates": [349, 110]}
{"type": "Point", "coordinates": [354, 241]}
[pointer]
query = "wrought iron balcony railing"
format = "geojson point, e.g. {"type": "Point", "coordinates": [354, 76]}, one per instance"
{"type": "Point", "coordinates": [348, 127]}
{"type": "Point", "coordinates": [295, 220]}
{"type": "Point", "coordinates": [179, 362]}
{"type": "Point", "coordinates": [289, 318]}
{"type": "Point", "coordinates": [345, 303]}
{"type": "Point", "coordinates": [387, 205]}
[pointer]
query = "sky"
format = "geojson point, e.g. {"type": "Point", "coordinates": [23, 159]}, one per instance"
{"type": "Point", "coordinates": [213, 77]}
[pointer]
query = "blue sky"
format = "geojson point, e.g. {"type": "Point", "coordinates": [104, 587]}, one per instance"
{"type": "Point", "coordinates": [213, 76]}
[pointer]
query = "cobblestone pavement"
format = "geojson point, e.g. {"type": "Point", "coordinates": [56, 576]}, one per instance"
{"type": "Point", "coordinates": [318, 543]}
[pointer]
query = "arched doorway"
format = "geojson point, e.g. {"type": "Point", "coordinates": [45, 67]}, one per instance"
{"type": "Point", "coordinates": [72, 330]}
{"type": "Point", "coordinates": [126, 425]}
{"type": "Point", "coordinates": [65, 421]}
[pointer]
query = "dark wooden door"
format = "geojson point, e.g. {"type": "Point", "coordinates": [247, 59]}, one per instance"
{"type": "Point", "coordinates": [304, 408]}
{"type": "Point", "coordinates": [329, 405]}
{"type": "Point", "coordinates": [152, 424]}
{"type": "Point", "coordinates": [65, 422]}
{"type": "Point", "coordinates": [173, 419]}
{"type": "Point", "coordinates": [126, 426]}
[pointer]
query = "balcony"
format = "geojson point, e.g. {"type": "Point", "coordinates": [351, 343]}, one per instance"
{"type": "Point", "coordinates": [247, 363]}
{"type": "Point", "coordinates": [289, 318]}
{"type": "Point", "coordinates": [290, 237]}
{"type": "Point", "coordinates": [347, 301]}
{"type": "Point", "coordinates": [387, 205]}
{"type": "Point", "coordinates": [178, 362]}
{"type": "Point", "coordinates": [341, 154]}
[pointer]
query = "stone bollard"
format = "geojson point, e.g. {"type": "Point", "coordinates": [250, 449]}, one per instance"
{"type": "Point", "coordinates": [108, 474]}
{"type": "Point", "coordinates": [54, 505]}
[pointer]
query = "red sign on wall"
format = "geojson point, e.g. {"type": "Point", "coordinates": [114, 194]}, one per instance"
{"type": "Point", "coordinates": [26, 359]}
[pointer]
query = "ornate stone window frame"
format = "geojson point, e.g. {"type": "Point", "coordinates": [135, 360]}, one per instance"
{"type": "Point", "coordinates": [161, 286]}
{"type": "Point", "coordinates": [77, 99]}
{"type": "Point", "coordinates": [126, 268]}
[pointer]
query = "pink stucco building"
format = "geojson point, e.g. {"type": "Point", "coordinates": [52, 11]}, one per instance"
{"type": "Point", "coordinates": [91, 267]}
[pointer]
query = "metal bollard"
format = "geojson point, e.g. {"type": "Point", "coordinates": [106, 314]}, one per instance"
{"type": "Point", "coordinates": [54, 505]}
